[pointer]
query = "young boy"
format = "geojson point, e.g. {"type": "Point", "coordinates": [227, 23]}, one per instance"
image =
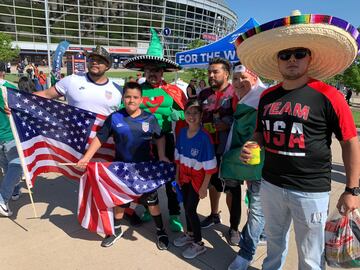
{"type": "Point", "coordinates": [133, 131]}
{"type": "Point", "coordinates": [196, 162]}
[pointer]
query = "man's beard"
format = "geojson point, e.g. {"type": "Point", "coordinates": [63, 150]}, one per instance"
{"type": "Point", "coordinates": [215, 85]}
{"type": "Point", "coordinates": [96, 74]}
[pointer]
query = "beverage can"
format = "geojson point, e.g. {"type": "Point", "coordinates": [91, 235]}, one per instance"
{"type": "Point", "coordinates": [255, 153]}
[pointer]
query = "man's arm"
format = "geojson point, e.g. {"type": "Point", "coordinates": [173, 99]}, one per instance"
{"type": "Point", "coordinates": [50, 93]}
{"type": "Point", "coordinates": [351, 158]}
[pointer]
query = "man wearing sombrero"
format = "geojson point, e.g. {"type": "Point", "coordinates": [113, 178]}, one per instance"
{"type": "Point", "coordinates": [295, 122]}
{"type": "Point", "coordinates": [165, 101]}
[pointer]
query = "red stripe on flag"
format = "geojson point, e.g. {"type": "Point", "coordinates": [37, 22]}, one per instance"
{"type": "Point", "coordinates": [82, 204]}
{"type": "Point", "coordinates": [29, 151]}
{"type": "Point", "coordinates": [42, 157]}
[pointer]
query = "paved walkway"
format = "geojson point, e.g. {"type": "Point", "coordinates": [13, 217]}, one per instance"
{"type": "Point", "coordinates": [55, 240]}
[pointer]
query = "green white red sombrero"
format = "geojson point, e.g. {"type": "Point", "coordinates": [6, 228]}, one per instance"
{"type": "Point", "coordinates": [154, 55]}
{"type": "Point", "coordinates": [333, 42]}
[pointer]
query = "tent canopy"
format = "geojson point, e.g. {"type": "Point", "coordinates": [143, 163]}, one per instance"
{"type": "Point", "coordinates": [199, 57]}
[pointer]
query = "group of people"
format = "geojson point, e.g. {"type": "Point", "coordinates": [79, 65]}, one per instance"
{"type": "Point", "coordinates": [292, 122]}
{"type": "Point", "coordinates": [194, 88]}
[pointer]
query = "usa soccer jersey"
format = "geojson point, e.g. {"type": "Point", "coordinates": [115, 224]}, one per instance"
{"type": "Point", "coordinates": [195, 157]}
{"type": "Point", "coordinates": [297, 126]}
{"type": "Point", "coordinates": [132, 136]}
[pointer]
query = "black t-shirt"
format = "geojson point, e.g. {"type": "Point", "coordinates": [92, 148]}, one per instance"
{"type": "Point", "coordinates": [132, 136]}
{"type": "Point", "coordinates": [297, 126]}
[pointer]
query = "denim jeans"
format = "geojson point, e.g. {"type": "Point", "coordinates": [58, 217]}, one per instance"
{"type": "Point", "coordinates": [254, 226]}
{"type": "Point", "coordinates": [308, 210]}
{"type": "Point", "coordinates": [10, 163]}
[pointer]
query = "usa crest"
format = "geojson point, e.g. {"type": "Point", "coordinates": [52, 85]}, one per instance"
{"type": "Point", "coordinates": [145, 126]}
{"type": "Point", "coordinates": [194, 152]}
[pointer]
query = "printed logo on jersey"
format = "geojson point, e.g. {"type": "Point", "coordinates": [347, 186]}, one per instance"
{"type": "Point", "coordinates": [108, 95]}
{"type": "Point", "coordinates": [119, 125]}
{"type": "Point", "coordinates": [194, 152]}
{"type": "Point", "coordinates": [145, 126]}
{"type": "Point", "coordinates": [81, 88]}
{"type": "Point", "coordinates": [285, 135]}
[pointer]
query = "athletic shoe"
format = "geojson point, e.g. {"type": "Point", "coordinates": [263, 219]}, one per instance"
{"type": "Point", "coordinates": [183, 240]}
{"type": "Point", "coordinates": [109, 240]}
{"type": "Point", "coordinates": [239, 264]}
{"type": "Point", "coordinates": [16, 193]}
{"type": "Point", "coordinates": [175, 223]}
{"type": "Point", "coordinates": [210, 220]}
{"type": "Point", "coordinates": [4, 208]}
{"type": "Point", "coordinates": [146, 216]}
{"type": "Point", "coordinates": [162, 240]}
{"type": "Point", "coordinates": [234, 237]}
{"type": "Point", "coordinates": [194, 250]}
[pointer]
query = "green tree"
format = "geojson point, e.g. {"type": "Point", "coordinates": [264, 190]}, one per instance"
{"type": "Point", "coordinates": [196, 43]}
{"type": "Point", "coordinates": [6, 52]}
{"type": "Point", "coordinates": [197, 73]}
{"type": "Point", "coordinates": [351, 77]}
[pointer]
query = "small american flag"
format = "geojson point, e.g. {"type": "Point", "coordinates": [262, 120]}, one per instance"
{"type": "Point", "coordinates": [52, 132]}
{"type": "Point", "coordinates": [106, 185]}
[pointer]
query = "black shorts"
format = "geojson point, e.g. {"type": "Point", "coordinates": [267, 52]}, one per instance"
{"type": "Point", "coordinates": [215, 181]}
{"type": "Point", "coordinates": [149, 199]}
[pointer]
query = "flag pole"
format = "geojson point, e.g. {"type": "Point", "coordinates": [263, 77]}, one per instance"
{"type": "Point", "coordinates": [20, 150]}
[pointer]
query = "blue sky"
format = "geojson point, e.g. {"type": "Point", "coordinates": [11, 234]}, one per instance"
{"type": "Point", "coordinates": [267, 10]}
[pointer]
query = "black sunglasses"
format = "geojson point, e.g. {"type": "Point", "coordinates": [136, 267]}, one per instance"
{"type": "Point", "coordinates": [285, 55]}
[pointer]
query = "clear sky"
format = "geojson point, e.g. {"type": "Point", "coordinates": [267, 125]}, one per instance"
{"type": "Point", "coordinates": [266, 10]}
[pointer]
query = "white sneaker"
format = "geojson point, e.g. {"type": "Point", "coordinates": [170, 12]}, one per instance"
{"type": "Point", "coordinates": [194, 250]}
{"type": "Point", "coordinates": [183, 240]}
{"type": "Point", "coordinates": [239, 264]}
{"type": "Point", "coordinates": [4, 208]}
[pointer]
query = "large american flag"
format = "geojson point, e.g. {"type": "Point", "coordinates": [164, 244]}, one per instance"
{"type": "Point", "coordinates": [106, 185]}
{"type": "Point", "coordinates": [52, 132]}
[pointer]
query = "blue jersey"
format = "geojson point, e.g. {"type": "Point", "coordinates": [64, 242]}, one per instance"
{"type": "Point", "coordinates": [132, 136]}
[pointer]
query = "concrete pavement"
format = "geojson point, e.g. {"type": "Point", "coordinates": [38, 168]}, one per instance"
{"type": "Point", "coordinates": [55, 240]}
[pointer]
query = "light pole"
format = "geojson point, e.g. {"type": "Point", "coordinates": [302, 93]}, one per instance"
{"type": "Point", "coordinates": [47, 35]}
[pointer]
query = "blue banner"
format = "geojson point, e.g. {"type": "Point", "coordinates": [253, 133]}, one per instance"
{"type": "Point", "coordinates": [57, 58]}
{"type": "Point", "coordinates": [224, 48]}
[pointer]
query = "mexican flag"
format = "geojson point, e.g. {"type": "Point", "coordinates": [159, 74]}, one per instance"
{"type": "Point", "coordinates": [242, 130]}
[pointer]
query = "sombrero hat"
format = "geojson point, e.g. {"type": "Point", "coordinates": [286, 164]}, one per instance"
{"type": "Point", "coordinates": [333, 42]}
{"type": "Point", "coordinates": [154, 56]}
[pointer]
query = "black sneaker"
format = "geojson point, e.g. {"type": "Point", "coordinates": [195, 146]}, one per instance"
{"type": "Point", "coordinates": [109, 240]}
{"type": "Point", "coordinates": [210, 220]}
{"type": "Point", "coordinates": [162, 240]}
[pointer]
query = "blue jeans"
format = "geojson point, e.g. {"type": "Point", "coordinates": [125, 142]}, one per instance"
{"type": "Point", "coordinates": [10, 163]}
{"type": "Point", "coordinates": [309, 212]}
{"type": "Point", "coordinates": [254, 226]}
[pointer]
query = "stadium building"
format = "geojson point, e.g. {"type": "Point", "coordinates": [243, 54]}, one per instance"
{"type": "Point", "coordinates": [121, 26]}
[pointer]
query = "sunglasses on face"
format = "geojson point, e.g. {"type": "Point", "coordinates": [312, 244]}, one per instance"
{"type": "Point", "coordinates": [285, 55]}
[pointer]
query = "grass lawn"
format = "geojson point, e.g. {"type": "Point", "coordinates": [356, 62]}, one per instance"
{"type": "Point", "coordinates": [356, 115]}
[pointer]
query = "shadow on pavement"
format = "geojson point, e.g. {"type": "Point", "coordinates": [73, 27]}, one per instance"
{"type": "Point", "coordinates": [56, 200]}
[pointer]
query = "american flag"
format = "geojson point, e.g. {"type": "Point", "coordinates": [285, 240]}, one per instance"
{"type": "Point", "coordinates": [106, 185]}
{"type": "Point", "coordinates": [51, 132]}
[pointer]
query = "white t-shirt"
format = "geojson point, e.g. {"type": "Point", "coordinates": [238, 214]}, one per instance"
{"type": "Point", "coordinates": [80, 91]}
